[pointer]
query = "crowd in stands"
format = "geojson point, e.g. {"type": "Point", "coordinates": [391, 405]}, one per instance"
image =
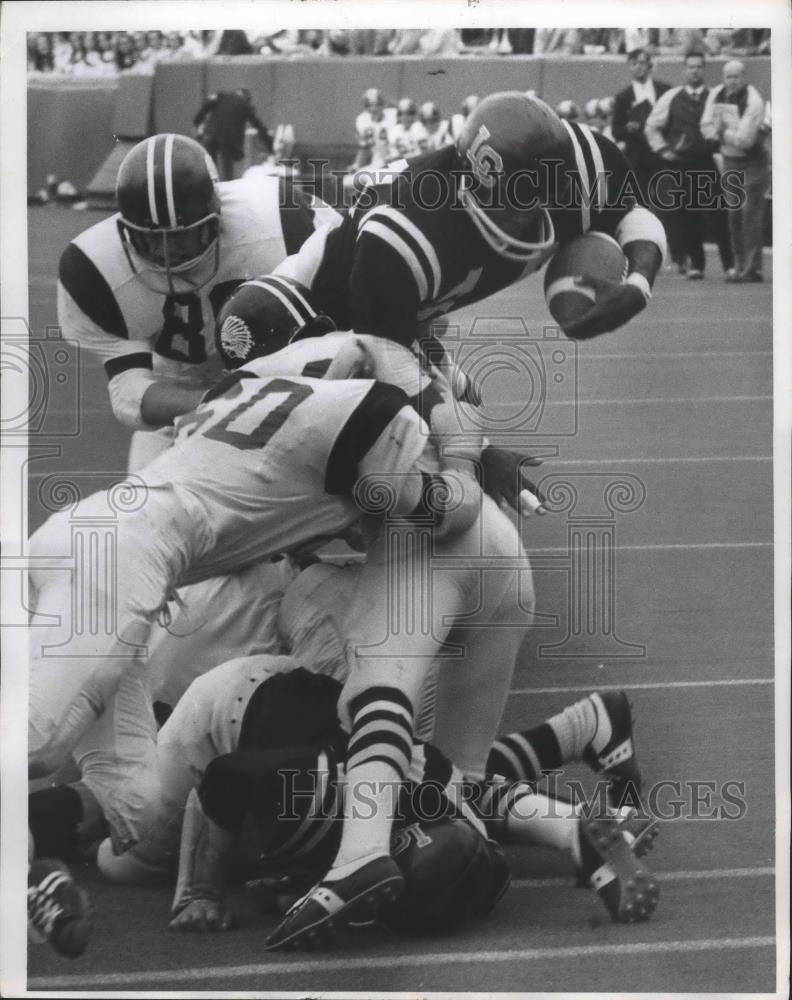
{"type": "Point", "coordinates": [95, 53]}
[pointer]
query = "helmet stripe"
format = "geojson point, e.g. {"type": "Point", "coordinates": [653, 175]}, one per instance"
{"type": "Point", "coordinates": [152, 197]}
{"type": "Point", "coordinates": [597, 167]}
{"type": "Point", "coordinates": [278, 293]}
{"type": "Point", "coordinates": [169, 140]}
{"type": "Point", "coordinates": [580, 161]}
{"type": "Point", "coordinates": [295, 293]}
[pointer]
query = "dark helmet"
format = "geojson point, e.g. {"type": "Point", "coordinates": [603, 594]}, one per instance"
{"type": "Point", "coordinates": [451, 874]}
{"type": "Point", "coordinates": [169, 209]}
{"type": "Point", "coordinates": [263, 316]}
{"type": "Point", "coordinates": [510, 149]}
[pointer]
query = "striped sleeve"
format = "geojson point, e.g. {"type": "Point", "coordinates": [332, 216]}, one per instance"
{"type": "Point", "coordinates": [382, 436]}
{"type": "Point", "coordinates": [396, 270]}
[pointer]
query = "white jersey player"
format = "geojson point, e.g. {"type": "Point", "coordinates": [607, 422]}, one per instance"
{"type": "Point", "coordinates": [438, 130]}
{"type": "Point", "coordinates": [408, 137]}
{"type": "Point", "coordinates": [372, 127]}
{"type": "Point", "coordinates": [141, 289]}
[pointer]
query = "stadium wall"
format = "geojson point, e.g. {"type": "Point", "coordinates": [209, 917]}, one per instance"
{"type": "Point", "coordinates": [72, 124]}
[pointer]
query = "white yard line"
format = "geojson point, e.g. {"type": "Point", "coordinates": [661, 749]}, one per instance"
{"type": "Point", "coordinates": [669, 545]}
{"type": "Point", "coordinates": [648, 686]}
{"type": "Point", "coordinates": [320, 967]}
{"type": "Point", "coordinates": [679, 876]}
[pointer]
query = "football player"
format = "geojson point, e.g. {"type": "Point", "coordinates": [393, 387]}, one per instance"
{"type": "Point", "coordinates": [241, 705]}
{"type": "Point", "coordinates": [141, 289]}
{"type": "Point", "coordinates": [438, 131]}
{"type": "Point", "coordinates": [372, 126]}
{"type": "Point", "coordinates": [455, 226]}
{"type": "Point", "coordinates": [286, 770]}
{"type": "Point", "coordinates": [203, 513]}
{"type": "Point", "coordinates": [407, 137]}
{"type": "Point", "coordinates": [458, 120]}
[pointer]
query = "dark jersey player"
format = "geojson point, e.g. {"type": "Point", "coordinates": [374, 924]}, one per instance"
{"type": "Point", "coordinates": [452, 227]}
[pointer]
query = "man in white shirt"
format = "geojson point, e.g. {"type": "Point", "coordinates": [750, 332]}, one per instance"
{"type": "Point", "coordinates": [734, 116]}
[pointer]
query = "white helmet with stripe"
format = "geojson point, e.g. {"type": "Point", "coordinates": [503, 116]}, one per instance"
{"type": "Point", "coordinates": [169, 212]}
{"type": "Point", "coordinates": [263, 316]}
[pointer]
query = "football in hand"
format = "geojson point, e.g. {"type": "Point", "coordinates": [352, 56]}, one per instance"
{"type": "Point", "coordinates": [595, 254]}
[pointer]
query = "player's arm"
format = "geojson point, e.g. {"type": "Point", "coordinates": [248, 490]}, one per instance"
{"type": "Point", "coordinates": [377, 459]}
{"type": "Point", "coordinates": [89, 314]}
{"type": "Point", "coordinates": [392, 275]}
{"type": "Point", "coordinates": [638, 231]}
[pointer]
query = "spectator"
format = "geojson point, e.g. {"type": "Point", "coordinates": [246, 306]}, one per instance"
{"type": "Point", "coordinates": [557, 42]}
{"type": "Point", "coordinates": [673, 131]}
{"type": "Point", "coordinates": [41, 58]}
{"type": "Point", "coordinates": [220, 125]}
{"type": "Point", "coordinates": [734, 117]}
{"type": "Point", "coordinates": [125, 55]}
{"type": "Point", "coordinates": [631, 108]}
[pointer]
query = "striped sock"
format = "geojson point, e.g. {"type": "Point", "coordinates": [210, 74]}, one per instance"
{"type": "Point", "coordinates": [525, 755]}
{"type": "Point", "coordinates": [380, 749]}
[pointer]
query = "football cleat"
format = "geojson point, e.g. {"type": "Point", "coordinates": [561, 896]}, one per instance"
{"type": "Point", "coordinates": [612, 751]}
{"type": "Point", "coordinates": [639, 829]}
{"type": "Point", "coordinates": [625, 885]}
{"type": "Point", "coordinates": [329, 905]}
{"type": "Point", "coordinates": [59, 910]}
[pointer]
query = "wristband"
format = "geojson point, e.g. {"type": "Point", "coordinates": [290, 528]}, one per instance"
{"type": "Point", "coordinates": [641, 282]}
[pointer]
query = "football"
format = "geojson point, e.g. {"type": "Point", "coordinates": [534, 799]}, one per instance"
{"type": "Point", "coordinates": [593, 253]}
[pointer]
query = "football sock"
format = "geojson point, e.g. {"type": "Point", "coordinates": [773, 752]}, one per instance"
{"type": "Point", "coordinates": [523, 756]}
{"type": "Point", "coordinates": [54, 816]}
{"type": "Point", "coordinates": [524, 816]}
{"type": "Point", "coordinates": [380, 749]}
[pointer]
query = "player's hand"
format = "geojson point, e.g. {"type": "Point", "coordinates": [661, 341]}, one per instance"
{"type": "Point", "coordinates": [670, 155]}
{"type": "Point", "coordinates": [633, 127]}
{"type": "Point", "coordinates": [202, 915]}
{"type": "Point", "coordinates": [616, 304]}
{"type": "Point", "coordinates": [504, 478]}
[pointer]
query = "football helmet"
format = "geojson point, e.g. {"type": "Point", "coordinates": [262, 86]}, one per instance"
{"type": "Point", "coordinates": [263, 316]}
{"type": "Point", "coordinates": [451, 874]}
{"type": "Point", "coordinates": [169, 213]}
{"type": "Point", "coordinates": [430, 113]}
{"type": "Point", "coordinates": [406, 111]}
{"type": "Point", "coordinates": [373, 100]}
{"type": "Point", "coordinates": [469, 104]}
{"type": "Point", "coordinates": [509, 151]}
{"type": "Point", "coordinates": [568, 110]}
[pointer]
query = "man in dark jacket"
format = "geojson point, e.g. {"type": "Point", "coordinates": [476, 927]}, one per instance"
{"type": "Point", "coordinates": [674, 134]}
{"type": "Point", "coordinates": [631, 108]}
{"type": "Point", "coordinates": [221, 123]}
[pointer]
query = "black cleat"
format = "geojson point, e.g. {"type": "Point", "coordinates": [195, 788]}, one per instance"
{"type": "Point", "coordinates": [59, 910]}
{"type": "Point", "coordinates": [625, 885]}
{"type": "Point", "coordinates": [612, 751]}
{"type": "Point", "coordinates": [329, 905]}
